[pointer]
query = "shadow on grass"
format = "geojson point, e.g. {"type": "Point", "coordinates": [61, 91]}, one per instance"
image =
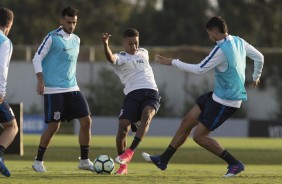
{"type": "Point", "coordinates": [183, 155]}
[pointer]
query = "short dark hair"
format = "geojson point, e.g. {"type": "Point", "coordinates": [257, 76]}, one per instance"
{"type": "Point", "coordinates": [69, 11]}
{"type": "Point", "coordinates": [130, 32]}
{"type": "Point", "coordinates": [217, 22]}
{"type": "Point", "coordinates": [6, 16]}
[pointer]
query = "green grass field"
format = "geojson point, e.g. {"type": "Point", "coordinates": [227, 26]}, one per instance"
{"type": "Point", "coordinates": [190, 164]}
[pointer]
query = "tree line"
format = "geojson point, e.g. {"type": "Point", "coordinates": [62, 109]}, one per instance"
{"type": "Point", "coordinates": [160, 22]}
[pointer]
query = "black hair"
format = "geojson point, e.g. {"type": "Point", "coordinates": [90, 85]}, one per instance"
{"type": "Point", "coordinates": [69, 11]}
{"type": "Point", "coordinates": [130, 32]}
{"type": "Point", "coordinates": [217, 22]}
{"type": "Point", "coordinates": [6, 16]}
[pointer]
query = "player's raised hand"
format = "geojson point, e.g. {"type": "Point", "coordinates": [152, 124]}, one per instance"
{"type": "Point", "coordinates": [105, 38]}
{"type": "Point", "coordinates": [163, 60]}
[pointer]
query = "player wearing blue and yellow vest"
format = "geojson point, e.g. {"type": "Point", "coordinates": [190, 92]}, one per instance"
{"type": "Point", "coordinates": [55, 67]}
{"type": "Point", "coordinates": [7, 118]}
{"type": "Point", "coordinates": [228, 59]}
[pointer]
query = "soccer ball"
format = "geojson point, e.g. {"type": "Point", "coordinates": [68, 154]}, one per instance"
{"type": "Point", "coordinates": [104, 164]}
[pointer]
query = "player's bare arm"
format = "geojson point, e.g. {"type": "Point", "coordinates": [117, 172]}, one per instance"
{"type": "Point", "coordinates": [163, 60]}
{"type": "Point", "coordinates": [109, 55]}
{"type": "Point", "coordinates": [40, 84]}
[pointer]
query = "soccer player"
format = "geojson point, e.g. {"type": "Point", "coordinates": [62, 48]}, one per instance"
{"type": "Point", "coordinates": [55, 67]}
{"type": "Point", "coordinates": [7, 118]}
{"type": "Point", "coordinates": [228, 59]}
{"type": "Point", "coordinates": [142, 99]}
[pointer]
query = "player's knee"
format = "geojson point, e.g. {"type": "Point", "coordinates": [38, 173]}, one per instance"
{"type": "Point", "coordinates": [53, 127]}
{"type": "Point", "coordinates": [148, 112]}
{"type": "Point", "coordinates": [15, 128]}
{"type": "Point", "coordinates": [123, 129]}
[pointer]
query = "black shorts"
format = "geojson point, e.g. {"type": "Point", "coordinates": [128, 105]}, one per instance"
{"type": "Point", "coordinates": [213, 114]}
{"type": "Point", "coordinates": [65, 106]}
{"type": "Point", "coordinates": [6, 112]}
{"type": "Point", "coordinates": [135, 102]}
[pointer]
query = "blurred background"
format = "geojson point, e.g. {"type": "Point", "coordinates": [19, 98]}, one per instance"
{"type": "Point", "coordinates": [173, 28]}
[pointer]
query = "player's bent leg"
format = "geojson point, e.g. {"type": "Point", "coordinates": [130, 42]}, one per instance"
{"type": "Point", "coordinates": [155, 160]}
{"type": "Point", "coordinates": [85, 164]}
{"type": "Point", "coordinates": [122, 169]}
{"type": "Point", "coordinates": [3, 169]}
{"type": "Point", "coordinates": [38, 166]}
{"type": "Point", "coordinates": [234, 170]}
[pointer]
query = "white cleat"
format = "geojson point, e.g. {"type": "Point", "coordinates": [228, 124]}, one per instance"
{"type": "Point", "coordinates": [146, 156]}
{"type": "Point", "coordinates": [38, 166]}
{"type": "Point", "coordinates": [85, 164]}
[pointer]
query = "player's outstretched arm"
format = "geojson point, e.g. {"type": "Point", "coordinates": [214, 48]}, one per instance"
{"type": "Point", "coordinates": [108, 53]}
{"type": "Point", "coordinates": [163, 60]}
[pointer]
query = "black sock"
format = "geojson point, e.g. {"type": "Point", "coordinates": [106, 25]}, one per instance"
{"type": "Point", "coordinates": [40, 153]}
{"type": "Point", "coordinates": [166, 156]}
{"type": "Point", "coordinates": [84, 150]}
{"type": "Point", "coordinates": [227, 157]}
{"type": "Point", "coordinates": [135, 143]}
{"type": "Point", "coordinates": [2, 150]}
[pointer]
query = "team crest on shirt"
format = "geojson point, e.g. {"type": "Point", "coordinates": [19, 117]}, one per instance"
{"type": "Point", "coordinates": [57, 115]}
{"type": "Point", "coordinates": [122, 53]}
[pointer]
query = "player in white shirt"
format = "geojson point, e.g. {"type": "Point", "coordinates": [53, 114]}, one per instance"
{"type": "Point", "coordinates": [142, 99]}
{"type": "Point", "coordinates": [7, 118]}
{"type": "Point", "coordinates": [228, 59]}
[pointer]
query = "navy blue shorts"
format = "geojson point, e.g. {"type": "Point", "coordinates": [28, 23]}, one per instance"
{"type": "Point", "coordinates": [65, 106]}
{"type": "Point", "coordinates": [135, 102]}
{"type": "Point", "coordinates": [6, 113]}
{"type": "Point", "coordinates": [213, 114]}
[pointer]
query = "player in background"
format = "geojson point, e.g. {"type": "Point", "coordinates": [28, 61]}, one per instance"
{"type": "Point", "coordinates": [55, 67]}
{"type": "Point", "coordinates": [142, 99]}
{"type": "Point", "coordinates": [228, 59]}
{"type": "Point", "coordinates": [7, 118]}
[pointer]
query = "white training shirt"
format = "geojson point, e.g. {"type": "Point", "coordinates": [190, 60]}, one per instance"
{"type": "Point", "coordinates": [217, 59]}
{"type": "Point", "coordinates": [135, 71]}
{"type": "Point", "coordinates": [39, 56]}
{"type": "Point", "coordinates": [6, 50]}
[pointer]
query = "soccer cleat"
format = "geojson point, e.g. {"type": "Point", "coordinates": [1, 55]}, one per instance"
{"type": "Point", "coordinates": [38, 166]}
{"type": "Point", "coordinates": [234, 170]}
{"type": "Point", "coordinates": [125, 157]}
{"type": "Point", "coordinates": [3, 169]}
{"type": "Point", "coordinates": [155, 160]}
{"type": "Point", "coordinates": [122, 169]}
{"type": "Point", "coordinates": [85, 164]}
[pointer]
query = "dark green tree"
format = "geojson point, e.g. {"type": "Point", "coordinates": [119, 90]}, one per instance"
{"type": "Point", "coordinates": [257, 21]}
{"type": "Point", "coordinates": [178, 22]}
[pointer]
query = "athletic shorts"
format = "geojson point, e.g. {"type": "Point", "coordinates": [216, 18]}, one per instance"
{"type": "Point", "coordinates": [6, 112]}
{"type": "Point", "coordinates": [135, 102]}
{"type": "Point", "coordinates": [61, 107]}
{"type": "Point", "coordinates": [213, 114]}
